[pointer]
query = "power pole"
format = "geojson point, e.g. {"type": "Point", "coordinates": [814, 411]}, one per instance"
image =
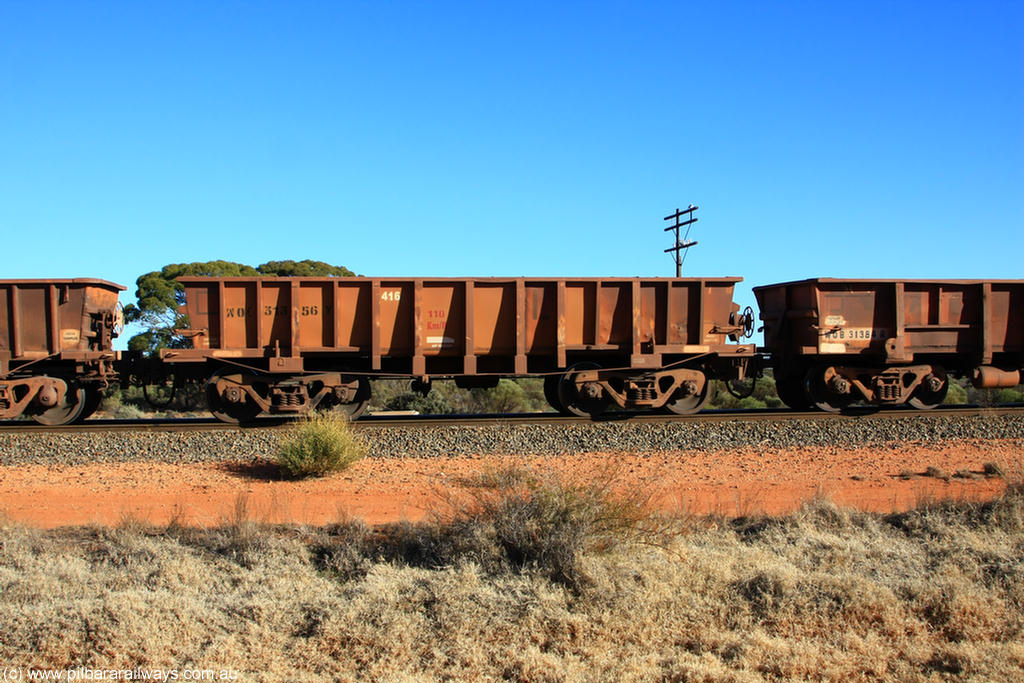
{"type": "Point", "coordinates": [678, 255]}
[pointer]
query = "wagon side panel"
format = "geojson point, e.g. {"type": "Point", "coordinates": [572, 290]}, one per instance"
{"type": "Point", "coordinates": [718, 309]}
{"type": "Point", "coordinates": [44, 318]}
{"type": "Point", "coordinates": [1006, 305]}
{"type": "Point", "coordinates": [789, 312]}
{"type": "Point", "coordinates": [494, 318]}
{"type": "Point", "coordinates": [544, 331]}
{"type": "Point", "coordinates": [943, 317]}
{"type": "Point", "coordinates": [353, 315]}
{"type": "Point", "coordinates": [6, 323]}
{"type": "Point", "coordinates": [34, 321]}
{"type": "Point", "coordinates": [442, 319]}
{"type": "Point", "coordinates": [854, 318]}
{"type": "Point", "coordinates": [201, 309]}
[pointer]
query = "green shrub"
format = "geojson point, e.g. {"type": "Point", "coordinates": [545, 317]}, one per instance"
{"type": "Point", "coordinates": [524, 395]}
{"type": "Point", "coordinates": [762, 395]}
{"type": "Point", "coordinates": [128, 411]}
{"type": "Point", "coordinates": [956, 395]}
{"type": "Point", "coordinates": [751, 403]}
{"type": "Point", "coordinates": [1008, 396]}
{"type": "Point", "coordinates": [317, 445]}
{"type": "Point", "coordinates": [431, 404]}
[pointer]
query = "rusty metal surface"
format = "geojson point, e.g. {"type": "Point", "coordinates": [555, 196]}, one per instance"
{"type": "Point", "coordinates": [467, 326]}
{"type": "Point", "coordinates": [44, 318]}
{"type": "Point", "coordinates": [56, 347]}
{"type": "Point", "coordinates": [894, 320]}
{"type": "Point", "coordinates": [891, 340]}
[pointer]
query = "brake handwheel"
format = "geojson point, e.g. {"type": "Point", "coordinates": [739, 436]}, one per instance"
{"type": "Point", "coordinates": [748, 322]}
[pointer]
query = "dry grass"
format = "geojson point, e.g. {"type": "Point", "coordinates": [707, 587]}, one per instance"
{"type": "Point", "coordinates": [825, 594]}
{"type": "Point", "coordinates": [550, 523]}
{"type": "Point", "coordinates": [510, 520]}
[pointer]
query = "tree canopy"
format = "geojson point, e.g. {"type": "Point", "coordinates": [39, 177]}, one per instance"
{"type": "Point", "coordinates": [159, 295]}
{"type": "Point", "coordinates": [305, 268]}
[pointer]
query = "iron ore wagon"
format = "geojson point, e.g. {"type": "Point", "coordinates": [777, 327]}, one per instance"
{"type": "Point", "coordinates": [56, 347]}
{"type": "Point", "coordinates": [292, 344]}
{"type": "Point", "coordinates": [888, 342]}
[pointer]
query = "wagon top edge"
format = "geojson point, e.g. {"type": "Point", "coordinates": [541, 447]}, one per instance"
{"type": "Point", "coordinates": [449, 280]}
{"type": "Point", "coordinates": [65, 281]}
{"type": "Point", "coordinates": [882, 281]}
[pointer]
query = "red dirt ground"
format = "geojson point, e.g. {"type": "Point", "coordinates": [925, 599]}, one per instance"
{"type": "Point", "coordinates": [386, 490]}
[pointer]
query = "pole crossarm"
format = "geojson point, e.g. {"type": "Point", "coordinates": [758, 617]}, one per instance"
{"type": "Point", "coordinates": [681, 245]}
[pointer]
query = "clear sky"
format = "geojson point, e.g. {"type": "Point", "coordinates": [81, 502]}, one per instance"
{"type": "Point", "coordinates": [848, 139]}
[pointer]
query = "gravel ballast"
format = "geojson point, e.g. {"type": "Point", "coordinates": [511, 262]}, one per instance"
{"type": "Point", "coordinates": [426, 441]}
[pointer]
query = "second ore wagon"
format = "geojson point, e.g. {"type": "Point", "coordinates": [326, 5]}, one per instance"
{"type": "Point", "coordinates": [293, 344]}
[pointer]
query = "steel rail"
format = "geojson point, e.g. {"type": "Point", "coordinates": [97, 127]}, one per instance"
{"type": "Point", "coordinates": [517, 419]}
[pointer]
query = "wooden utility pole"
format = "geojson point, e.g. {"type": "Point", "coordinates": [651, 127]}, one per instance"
{"type": "Point", "coordinates": [677, 250]}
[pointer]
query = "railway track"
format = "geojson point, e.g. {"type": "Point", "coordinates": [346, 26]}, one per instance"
{"type": "Point", "coordinates": [202, 424]}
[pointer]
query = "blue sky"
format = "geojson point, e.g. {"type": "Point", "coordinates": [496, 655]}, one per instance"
{"type": "Point", "coordinates": [856, 139]}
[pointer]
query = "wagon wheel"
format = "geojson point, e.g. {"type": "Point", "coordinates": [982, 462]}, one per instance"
{"type": "Point", "coordinates": [229, 411]}
{"type": "Point", "coordinates": [691, 403]}
{"type": "Point", "coordinates": [353, 409]}
{"type": "Point", "coordinates": [930, 393]}
{"type": "Point", "coordinates": [818, 393]}
{"type": "Point", "coordinates": [65, 412]}
{"type": "Point", "coordinates": [93, 399]}
{"type": "Point", "coordinates": [551, 393]}
{"type": "Point", "coordinates": [790, 389]}
{"type": "Point", "coordinates": [573, 401]}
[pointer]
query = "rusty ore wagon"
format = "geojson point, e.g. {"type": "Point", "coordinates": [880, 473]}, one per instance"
{"type": "Point", "coordinates": [886, 342]}
{"type": "Point", "coordinates": [292, 344]}
{"type": "Point", "coordinates": [56, 347]}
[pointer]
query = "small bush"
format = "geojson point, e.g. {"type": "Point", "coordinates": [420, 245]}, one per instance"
{"type": "Point", "coordinates": [122, 411]}
{"type": "Point", "coordinates": [762, 395]}
{"type": "Point", "coordinates": [431, 404]}
{"type": "Point", "coordinates": [525, 395]}
{"type": "Point", "coordinates": [1008, 396]}
{"type": "Point", "coordinates": [751, 403]}
{"type": "Point", "coordinates": [509, 520]}
{"type": "Point", "coordinates": [319, 444]}
{"type": "Point", "coordinates": [549, 524]}
{"type": "Point", "coordinates": [956, 394]}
